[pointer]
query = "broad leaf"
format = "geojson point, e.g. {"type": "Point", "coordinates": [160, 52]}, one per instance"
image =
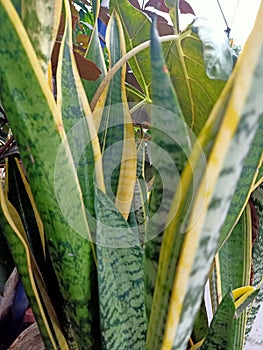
{"type": "Point", "coordinates": [198, 62]}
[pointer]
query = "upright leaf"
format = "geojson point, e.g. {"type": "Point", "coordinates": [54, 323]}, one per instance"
{"type": "Point", "coordinates": [41, 20]}
{"type": "Point", "coordinates": [228, 149]}
{"type": "Point", "coordinates": [169, 146]}
{"type": "Point", "coordinates": [257, 257]}
{"type": "Point", "coordinates": [120, 277]}
{"type": "Point", "coordinates": [39, 134]}
{"type": "Point", "coordinates": [94, 52]}
{"type": "Point", "coordinates": [235, 266]}
{"type": "Point", "coordinates": [115, 128]}
{"type": "Point", "coordinates": [219, 333]}
{"type": "Point", "coordinates": [136, 29]}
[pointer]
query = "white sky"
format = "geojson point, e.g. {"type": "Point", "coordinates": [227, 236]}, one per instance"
{"type": "Point", "coordinates": [240, 15]}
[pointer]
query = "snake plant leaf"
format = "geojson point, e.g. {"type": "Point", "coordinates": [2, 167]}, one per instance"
{"type": "Point", "coordinates": [120, 278]}
{"type": "Point", "coordinates": [230, 145]}
{"type": "Point", "coordinates": [94, 53]}
{"type": "Point", "coordinates": [245, 185]}
{"type": "Point", "coordinates": [36, 124]}
{"type": "Point", "coordinates": [200, 327]}
{"type": "Point", "coordinates": [235, 255]}
{"type": "Point", "coordinates": [15, 235]}
{"type": "Point", "coordinates": [221, 325]}
{"type": "Point", "coordinates": [41, 21]}
{"type": "Point", "coordinates": [234, 271]}
{"type": "Point", "coordinates": [115, 127]}
{"type": "Point", "coordinates": [195, 57]}
{"type": "Point", "coordinates": [170, 146]}
{"type": "Point", "coordinates": [78, 123]}
{"type": "Point", "coordinates": [259, 178]}
{"type": "Point", "coordinates": [20, 196]}
{"type": "Point", "coordinates": [257, 257]}
{"type": "Point", "coordinates": [136, 26]}
{"type": "Point", "coordinates": [220, 329]}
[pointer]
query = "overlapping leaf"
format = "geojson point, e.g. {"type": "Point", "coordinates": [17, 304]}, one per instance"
{"type": "Point", "coordinates": [39, 133]}
{"type": "Point", "coordinates": [224, 166]}
{"type": "Point", "coordinates": [115, 128]}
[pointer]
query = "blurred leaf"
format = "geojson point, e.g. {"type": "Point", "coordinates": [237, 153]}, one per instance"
{"type": "Point", "coordinates": [257, 259]}
{"type": "Point", "coordinates": [29, 339]}
{"type": "Point", "coordinates": [200, 327]}
{"type": "Point", "coordinates": [185, 7]}
{"type": "Point", "coordinates": [120, 277]}
{"type": "Point", "coordinates": [158, 5]}
{"type": "Point", "coordinates": [6, 262]}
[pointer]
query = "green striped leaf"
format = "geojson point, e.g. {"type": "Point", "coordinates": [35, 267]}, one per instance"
{"type": "Point", "coordinates": [16, 234]}
{"type": "Point", "coordinates": [169, 147]}
{"type": "Point", "coordinates": [220, 329]}
{"type": "Point", "coordinates": [230, 145]}
{"type": "Point", "coordinates": [78, 123]}
{"type": "Point", "coordinates": [36, 123]}
{"type": "Point", "coordinates": [244, 186]}
{"type": "Point", "coordinates": [120, 277]}
{"type": "Point", "coordinates": [234, 272]}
